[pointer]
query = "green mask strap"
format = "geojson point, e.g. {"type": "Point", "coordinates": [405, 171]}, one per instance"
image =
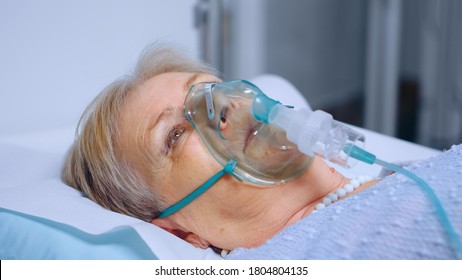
{"type": "Point", "coordinates": [228, 169]}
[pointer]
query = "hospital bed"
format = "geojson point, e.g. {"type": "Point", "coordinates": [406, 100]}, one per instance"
{"type": "Point", "coordinates": [42, 218]}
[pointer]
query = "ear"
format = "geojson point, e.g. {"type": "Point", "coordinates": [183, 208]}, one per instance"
{"type": "Point", "coordinates": [174, 229]}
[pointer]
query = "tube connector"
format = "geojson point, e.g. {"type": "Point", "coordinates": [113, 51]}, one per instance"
{"type": "Point", "coordinates": [359, 154]}
{"type": "Point", "coordinates": [262, 106]}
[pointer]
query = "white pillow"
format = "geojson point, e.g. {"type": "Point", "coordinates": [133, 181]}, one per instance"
{"type": "Point", "coordinates": [55, 201]}
{"type": "Point", "coordinates": [30, 237]}
{"type": "Point", "coordinates": [19, 166]}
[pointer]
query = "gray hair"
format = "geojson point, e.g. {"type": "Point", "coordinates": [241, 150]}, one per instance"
{"type": "Point", "coordinates": [95, 165]}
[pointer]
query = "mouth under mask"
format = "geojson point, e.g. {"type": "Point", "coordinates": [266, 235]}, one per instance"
{"type": "Point", "coordinates": [221, 114]}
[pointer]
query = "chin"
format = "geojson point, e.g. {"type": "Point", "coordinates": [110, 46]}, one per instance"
{"type": "Point", "coordinates": [287, 164]}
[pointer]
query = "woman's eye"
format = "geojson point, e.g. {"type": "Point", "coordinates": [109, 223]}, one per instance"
{"type": "Point", "coordinates": [174, 136]}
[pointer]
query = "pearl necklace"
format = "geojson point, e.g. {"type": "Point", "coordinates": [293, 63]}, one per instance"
{"type": "Point", "coordinates": [347, 188]}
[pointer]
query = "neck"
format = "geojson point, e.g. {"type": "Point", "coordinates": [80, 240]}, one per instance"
{"type": "Point", "coordinates": [344, 188]}
{"type": "Point", "coordinates": [319, 181]}
{"type": "Point", "coordinates": [296, 199]}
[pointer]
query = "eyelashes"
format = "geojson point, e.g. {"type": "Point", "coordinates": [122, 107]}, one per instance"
{"type": "Point", "coordinates": [175, 135]}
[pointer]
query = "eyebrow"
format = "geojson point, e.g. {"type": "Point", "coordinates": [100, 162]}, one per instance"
{"type": "Point", "coordinates": [170, 108]}
{"type": "Point", "coordinates": [191, 81]}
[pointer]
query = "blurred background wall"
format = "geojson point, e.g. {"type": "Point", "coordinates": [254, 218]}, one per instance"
{"type": "Point", "coordinates": [56, 56]}
{"type": "Point", "coordinates": [393, 66]}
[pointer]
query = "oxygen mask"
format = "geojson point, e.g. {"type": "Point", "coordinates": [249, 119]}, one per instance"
{"type": "Point", "coordinates": [221, 114]}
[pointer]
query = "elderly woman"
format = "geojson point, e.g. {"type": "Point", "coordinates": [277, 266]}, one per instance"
{"type": "Point", "coordinates": [136, 153]}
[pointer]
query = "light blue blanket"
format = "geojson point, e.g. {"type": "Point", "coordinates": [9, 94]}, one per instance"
{"type": "Point", "coordinates": [392, 220]}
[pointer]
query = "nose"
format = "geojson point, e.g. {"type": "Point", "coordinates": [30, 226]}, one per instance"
{"type": "Point", "coordinates": [234, 104]}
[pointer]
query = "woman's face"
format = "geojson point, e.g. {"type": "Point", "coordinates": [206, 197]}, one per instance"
{"type": "Point", "coordinates": [161, 143]}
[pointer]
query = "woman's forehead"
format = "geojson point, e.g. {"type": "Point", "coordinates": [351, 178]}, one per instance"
{"type": "Point", "coordinates": [171, 87]}
{"type": "Point", "coordinates": [146, 105]}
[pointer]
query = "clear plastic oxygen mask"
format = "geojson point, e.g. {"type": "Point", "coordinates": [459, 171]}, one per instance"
{"type": "Point", "coordinates": [222, 115]}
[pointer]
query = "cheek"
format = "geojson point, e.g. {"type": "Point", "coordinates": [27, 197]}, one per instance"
{"type": "Point", "coordinates": [191, 168]}
{"type": "Point", "coordinates": [196, 156]}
